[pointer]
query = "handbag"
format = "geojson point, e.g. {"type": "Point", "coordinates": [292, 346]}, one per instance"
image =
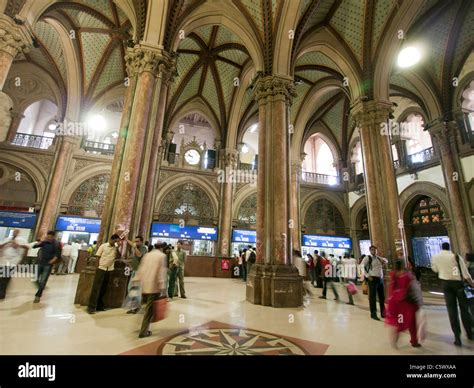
{"type": "Point", "coordinates": [351, 288]}
{"type": "Point", "coordinates": [365, 287]}
{"type": "Point", "coordinates": [159, 309]}
{"type": "Point", "coordinates": [468, 290]}
{"type": "Point", "coordinates": [134, 298]}
{"type": "Point", "coordinates": [414, 294]}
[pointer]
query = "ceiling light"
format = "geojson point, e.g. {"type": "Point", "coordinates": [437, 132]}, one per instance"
{"type": "Point", "coordinates": [97, 123]}
{"type": "Point", "coordinates": [245, 149]}
{"type": "Point", "coordinates": [408, 57]}
{"type": "Point", "coordinates": [52, 127]}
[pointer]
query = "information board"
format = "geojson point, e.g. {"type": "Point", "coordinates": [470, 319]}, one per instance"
{"type": "Point", "coordinates": [190, 232]}
{"type": "Point", "coordinates": [310, 240]}
{"type": "Point", "coordinates": [78, 224]}
{"type": "Point", "coordinates": [18, 219]}
{"type": "Point", "coordinates": [246, 236]}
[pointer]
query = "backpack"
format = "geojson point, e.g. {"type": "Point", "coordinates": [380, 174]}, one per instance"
{"type": "Point", "coordinates": [252, 257]}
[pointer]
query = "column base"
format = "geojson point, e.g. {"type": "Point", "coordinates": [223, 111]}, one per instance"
{"type": "Point", "coordinates": [275, 286]}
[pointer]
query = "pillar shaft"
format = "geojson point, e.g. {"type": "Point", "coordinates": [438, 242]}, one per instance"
{"type": "Point", "coordinates": [295, 222]}
{"type": "Point", "coordinates": [273, 213]}
{"type": "Point", "coordinates": [52, 196]}
{"type": "Point", "coordinates": [386, 228]}
{"type": "Point", "coordinates": [229, 159]}
{"type": "Point", "coordinates": [164, 78]}
{"type": "Point", "coordinates": [106, 227]}
{"type": "Point", "coordinates": [442, 134]}
{"type": "Point", "coordinates": [14, 124]}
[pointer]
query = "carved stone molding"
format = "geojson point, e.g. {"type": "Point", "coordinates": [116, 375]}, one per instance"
{"type": "Point", "coordinates": [13, 38]}
{"type": "Point", "coordinates": [372, 113]}
{"type": "Point", "coordinates": [141, 58]}
{"type": "Point", "coordinates": [45, 161]}
{"type": "Point", "coordinates": [275, 86]}
{"type": "Point", "coordinates": [229, 157]}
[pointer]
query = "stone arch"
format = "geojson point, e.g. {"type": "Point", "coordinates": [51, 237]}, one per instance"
{"type": "Point", "coordinates": [227, 15]}
{"type": "Point", "coordinates": [356, 212]}
{"type": "Point", "coordinates": [412, 109]}
{"type": "Point", "coordinates": [34, 171]}
{"type": "Point", "coordinates": [17, 186]}
{"type": "Point", "coordinates": [181, 179]}
{"type": "Point", "coordinates": [282, 52]}
{"type": "Point", "coordinates": [253, 119]}
{"type": "Point", "coordinates": [335, 200]}
{"type": "Point", "coordinates": [463, 83]}
{"type": "Point", "coordinates": [325, 134]}
{"type": "Point", "coordinates": [409, 196]}
{"type": "Point", "coordinates": [388, 48]}
{"type": "Point", "coordinates": [240, 197]}
{"type": "Point", "coordinates": [83, 175]}
{"type": "Point", "coordinates": [324, 41]}
{"type": "Point", "coordinates": [196, 105]}
{"type": "Point", "coordinates": [307, 110]}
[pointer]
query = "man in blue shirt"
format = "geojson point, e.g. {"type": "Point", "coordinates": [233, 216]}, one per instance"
{"type": "Point", "coordinates": [48, 255]}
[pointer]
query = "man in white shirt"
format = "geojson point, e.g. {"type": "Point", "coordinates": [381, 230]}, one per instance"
{"type": "Point", "coordinates": [12, 250]}
{"type": "Point", "coordinates": [373, 270]}
{"type": "Point", "coordinates": [66, 257]}
{"type": "Point", "coordinates": [107, 253]}
{"type": "Point", "coordinates": [75, 246]}
{"type": "Point", "coordinates": [452, 270]}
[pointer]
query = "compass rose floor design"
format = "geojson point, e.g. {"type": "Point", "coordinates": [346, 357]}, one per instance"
{"type": "Point", "coordinates": [217, 338]}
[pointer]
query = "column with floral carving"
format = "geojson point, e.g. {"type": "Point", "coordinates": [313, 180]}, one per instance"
{"type": "Point", "coordinates": [229, 158]}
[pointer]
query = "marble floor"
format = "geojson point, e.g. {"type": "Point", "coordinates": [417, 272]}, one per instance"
{"type": "Point", "coordinates": [214, 319]}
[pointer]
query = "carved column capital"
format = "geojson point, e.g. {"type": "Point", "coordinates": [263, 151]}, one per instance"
{"type": "Point", "coordinates": [229, 157]}
{"type": "Point", "coordinates": [274, 86]}
{"type": "Point", "coordinates": [372, 113]}
{"type": "Point", "coordinates": [142, 58]}
{"type": "Point", "coordinates": [13, 38]}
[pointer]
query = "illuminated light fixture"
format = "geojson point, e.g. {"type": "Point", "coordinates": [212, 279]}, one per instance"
{"type": "Point", "coordinates": [115, 135]}
{"type": "Point", "coordinates": [435, 293]}
{"type": "Point", "coordinates": [97, 122]}
{"type": "Point", "coordinates": [52, 127]}
{"type": "Point", "coordinates": [245, 149]}
{"type": "Point", "coordinates": [408, 57]}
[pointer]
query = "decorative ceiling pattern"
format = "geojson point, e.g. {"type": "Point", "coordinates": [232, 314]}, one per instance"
{"type": "Point", "coordinates": [382, 11]}
{"type": "Point", "coordinates": [348, 21]}
{"type": "Point", "coordinates": [334, 118]}
{"type": "Point", "coordinates": [210, 61]}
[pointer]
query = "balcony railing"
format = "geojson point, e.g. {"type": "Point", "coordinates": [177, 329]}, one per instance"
{"type": "Point", "coordinates": [95, 147]}
{"type": "Point", "coordinates": [421, 157]}
{"type": "Point", "coordinates": [32, 141]}
{"type": "Point", "coordinates": [311, 177]}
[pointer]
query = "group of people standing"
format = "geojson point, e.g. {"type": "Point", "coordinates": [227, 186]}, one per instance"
{"type": "Point", "coordinates": [158, 272]}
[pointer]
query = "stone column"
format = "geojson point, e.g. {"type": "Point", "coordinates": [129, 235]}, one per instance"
{"type": "Point", "coordinates": [13, 40]}
{"type": "Point", "coordinates": [14, 124]}
{"type": "Point", "coordinates": [295, 222]}
{"type": "Point", "coordinates": [229, 158]}
{"type": "Point", "coordinates": [142, 61]}
{"type": "Point", "coordinates": [275, 282]}
{"type": "Point", "coordinates": [166, 69]}
{"type": "Point", "coordinates": [106, 227]}
{"type": "Point", "coordinates": [386, 224]}
{"type": "Point", "coordinates": [52, 197]}
{"type": "Point", "coordinates": [443, 135]}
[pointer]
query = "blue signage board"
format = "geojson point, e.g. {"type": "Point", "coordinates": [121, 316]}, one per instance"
{"type": "Point", "coordinates": [310, 240]}
{"type": "Point", "coordinates": [78, 224]}
{"type": "Point", "coordinates": [17, 219]}
{"type": "Point", "coordinates": [246, 236]}
{"type": "Point", "coordinates": [184, 232]}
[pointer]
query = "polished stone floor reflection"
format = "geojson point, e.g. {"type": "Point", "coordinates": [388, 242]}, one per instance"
{"type": "Point", "coordinates": [215, 319]}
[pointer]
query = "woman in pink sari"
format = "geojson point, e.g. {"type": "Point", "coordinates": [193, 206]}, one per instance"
{"type": "Point", "coordinates": [402, 305]}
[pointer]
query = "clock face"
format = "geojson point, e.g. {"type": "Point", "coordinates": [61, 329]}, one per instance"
{"type": "Point", "coordinates": [192, 157]}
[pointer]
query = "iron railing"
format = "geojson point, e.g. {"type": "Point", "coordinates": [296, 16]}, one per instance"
{"type": "Point", "coordinates": [32, 141]}
{"type": "Point", "coordinates": [96, 147]}
{"type": "Point", "coordinates": [323, 179]}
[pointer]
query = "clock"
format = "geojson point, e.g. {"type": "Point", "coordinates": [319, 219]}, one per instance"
{"type": "Point", "coordinates": [192, 157]}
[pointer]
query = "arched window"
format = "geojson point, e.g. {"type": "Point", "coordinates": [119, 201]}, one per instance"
{"type": "Point", "coordinates": [417, 140]}
{"type": "Point", "coordinates": [187, 202]}
{"type": "Point", "coordinates": [16, 188]}
{"type": "Point", "coordinates": [468, 105]}
{"type": "Point", "coordinates": [323, 217]}
{"type": "Point", "coordinates": [248, 148]}
{"type": "Point", "coordinates": [247, 215]}
{"type": "Point", "coordinates": [356, 159]}
{"type": "Point", "coordinates": [89, 198]}
{"type": "Point", "coordinates": [319, 157]}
